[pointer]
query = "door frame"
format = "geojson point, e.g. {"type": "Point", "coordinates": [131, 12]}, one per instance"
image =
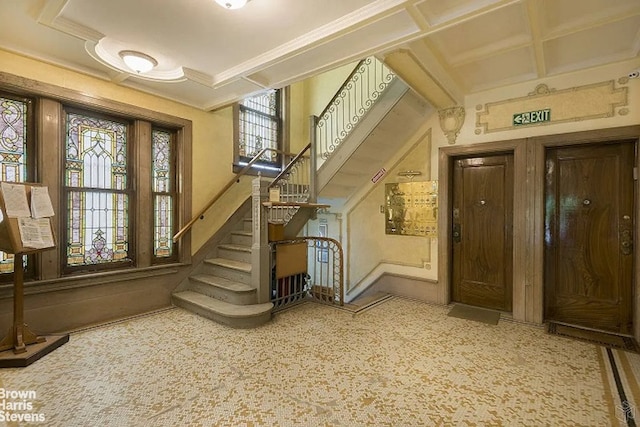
{"type": "Point", "coordinates": [528, 214]}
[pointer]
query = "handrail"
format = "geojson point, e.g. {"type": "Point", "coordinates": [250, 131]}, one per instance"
{"type": "Point", "coordinates": [346, 82]}
{"type": "Point", "coordinates": [290, 165]}
{"type": "Point", "coordinates": [215, 198]}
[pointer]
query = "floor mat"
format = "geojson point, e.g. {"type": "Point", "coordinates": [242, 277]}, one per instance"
{"type": "Point", "coordinates": [595, 337]}
{"type": "Point", "coordinates": [477, 314]}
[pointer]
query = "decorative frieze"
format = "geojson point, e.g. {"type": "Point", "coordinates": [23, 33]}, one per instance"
{"type": "Point", "coordinates": [594, 101]}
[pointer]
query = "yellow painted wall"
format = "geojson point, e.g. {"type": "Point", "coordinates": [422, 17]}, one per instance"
{"type": "Point", "coordinates": [320, 89]}
{"type": "Point", "coordinates": [366, 244]}
{"type": "Point", "coordinates": [212, 134]}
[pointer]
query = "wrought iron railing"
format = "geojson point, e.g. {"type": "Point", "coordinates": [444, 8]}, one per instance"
{"type": "Point", "coordinates": [293, 185]}
{"type": "Point", "coordinates": [353, 100]}
{"type": "Point", "coordinates": [322, 281]}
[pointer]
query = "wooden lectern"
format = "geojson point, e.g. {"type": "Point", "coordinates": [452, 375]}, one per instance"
{"type": "Point", "coordinates": [21, 234]}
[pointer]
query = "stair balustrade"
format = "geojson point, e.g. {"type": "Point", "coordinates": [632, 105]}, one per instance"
{"type": "Point", "coordinates": [307, 268]}
{"type": "Point", "coordinates": [354, 99]}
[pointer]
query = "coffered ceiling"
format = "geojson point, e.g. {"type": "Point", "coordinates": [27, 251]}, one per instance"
{"type": "Point", "coordinates": [209, 56]}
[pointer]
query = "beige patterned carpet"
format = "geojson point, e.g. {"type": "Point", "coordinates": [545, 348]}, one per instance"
{"type": "Point", "coordinates": [400, 363]}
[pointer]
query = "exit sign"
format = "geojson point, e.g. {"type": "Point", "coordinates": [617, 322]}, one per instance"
{"type": "Point", "coordinates": [531, 117]}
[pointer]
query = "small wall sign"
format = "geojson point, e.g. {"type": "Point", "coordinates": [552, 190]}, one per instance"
{"type": "Point", "coordinates": [531, 117]}
{"type": "Point", "coordinates": [378, 175]}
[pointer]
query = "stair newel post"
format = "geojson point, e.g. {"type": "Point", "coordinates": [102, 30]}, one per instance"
{"type": "Point", "coordinates": [313, 169]}
{"type": "Point", "coordinates": [260, 250]}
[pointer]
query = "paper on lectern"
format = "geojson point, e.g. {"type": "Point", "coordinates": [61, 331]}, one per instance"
{"type": "Point", "coordinates": [41, 206]}
{"type": "Point", "coordinates": [35, 233]}
{"type": "Point", "coordinates": [15, 200]}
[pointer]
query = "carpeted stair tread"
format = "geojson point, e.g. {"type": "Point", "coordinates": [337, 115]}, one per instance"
{"type": "Point", "coordinates": [234, 247]}
{"type": "Point", "coordinates": [224, 308]}
{"type": "Point", "coordinates": [221, 282]}
{"type": "Point", "coordinates": [229, 263]}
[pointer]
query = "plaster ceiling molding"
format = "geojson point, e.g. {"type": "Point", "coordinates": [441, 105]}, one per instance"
{"type": "Point", "coordinates": [594, 46]}
{"type": "Point", "coordinates": [495, 55]}
{"type": "Point", "coordinates": [409, 68]}
{"type": "Point", "coordinates": [439, 12]}
{"type": "Point", "coordinates": [451, 121]}
{"type": "Point", "coordinates": [106, 50]}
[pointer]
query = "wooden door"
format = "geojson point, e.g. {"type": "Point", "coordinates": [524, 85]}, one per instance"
{"type": "Point", "coordinates": [482, 219]}
{"type": "Point", "coordinates": [588, 236]}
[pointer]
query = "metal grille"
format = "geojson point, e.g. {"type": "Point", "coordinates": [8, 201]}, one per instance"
{"type": "Point", "coordinates": [259, 126]}
{"type": "Point", "coordinates": [323, 280]}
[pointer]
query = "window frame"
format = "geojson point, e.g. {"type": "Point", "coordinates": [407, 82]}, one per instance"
{"type": "Point", "coordinates": [273, 168]}
{"type": "Point", "coordinates": [50, 102]}
{"type": "Point", "coordinates": [31, 156]}
{"type": "Point", "coordinates": [129, 191]}
{"type": "Point", "coordinates": [173, 192]}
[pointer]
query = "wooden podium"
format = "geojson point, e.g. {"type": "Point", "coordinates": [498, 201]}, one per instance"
{"type": "Point", "coordinates": [21, 234]}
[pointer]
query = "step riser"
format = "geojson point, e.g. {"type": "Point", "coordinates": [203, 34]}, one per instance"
{"type": "Point", "coordinates": [242, 323]}
{"type": "Point", "coordinates": [239, 239]}
{"type": "Point", "coordinates": [234, 255]}
{"type": "Point", "coordinates": [227, 273]}
{"type": "Point", "coordinates": [226, 295]}
{"type": "Point", "coordinates": [248, 225]}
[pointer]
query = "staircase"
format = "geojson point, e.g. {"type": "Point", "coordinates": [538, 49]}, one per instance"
{"type": "Point", "coordinates": [219, 289]}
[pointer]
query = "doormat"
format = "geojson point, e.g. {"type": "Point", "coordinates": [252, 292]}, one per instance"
{"type": "Point", "coordinates": [594, 337]}
{"type": "Point", "coordinates": [477, 314]}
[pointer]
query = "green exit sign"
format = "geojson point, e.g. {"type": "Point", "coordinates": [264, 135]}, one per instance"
{"type": "Point", "coordinates": [531, 117]}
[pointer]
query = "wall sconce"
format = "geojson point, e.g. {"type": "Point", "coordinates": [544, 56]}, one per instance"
{"type": "Point", "coordinates": [138, 61]}
{"type": "Point", "coordinates": [451, 121]}
{"type": "Point", "coordinates": [232, 4]}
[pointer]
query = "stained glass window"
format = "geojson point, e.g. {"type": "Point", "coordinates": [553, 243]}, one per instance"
{"type": "Point", "coordinates": [13, 152]}
{"type": "Point", "coordinates": [259, 126]}
{"type": "Point", "coordinates": [163, 196]}
{"type": "Point", "coordinates": [96, 191]}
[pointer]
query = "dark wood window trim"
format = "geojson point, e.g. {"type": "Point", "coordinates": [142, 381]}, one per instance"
{"type": "Point", "coordinates": [283, 136]}
{"type": "Point", "coordinates": [50, 136]}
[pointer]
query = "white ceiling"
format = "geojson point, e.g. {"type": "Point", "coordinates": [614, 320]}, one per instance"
{"type": "Point", "coordinates": [216, 56]}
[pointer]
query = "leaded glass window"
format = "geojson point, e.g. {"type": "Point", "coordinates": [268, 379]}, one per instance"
{"type": "Point", "coordinates": [14, 118]}
{"type": "Point", "coordinates": [96, 186]}
{"type": "Point", "coordinates": [259, 126]}
{"type": "Point", "coordinates": [163, 193]}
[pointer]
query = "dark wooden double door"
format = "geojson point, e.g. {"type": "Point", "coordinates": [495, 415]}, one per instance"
{"type": "Point", "coordinates": [588, 231]}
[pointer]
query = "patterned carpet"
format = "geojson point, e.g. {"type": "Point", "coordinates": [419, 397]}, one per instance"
{"type": "Point", "coordinates": [399, 363]}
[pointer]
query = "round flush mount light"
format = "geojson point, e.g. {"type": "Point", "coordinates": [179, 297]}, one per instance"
{"type": "Point", "coordinates": [232, 4]}
{"type": "Point", "coordinates": [138, 61]}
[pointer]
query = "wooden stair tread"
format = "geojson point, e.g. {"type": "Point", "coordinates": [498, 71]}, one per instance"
{"type": "Point", "coordinates": [221, 282]}
{"type": "Point", "coordinates": [230, 263]}
{"type": "Point", "coordinates": [224, 308]}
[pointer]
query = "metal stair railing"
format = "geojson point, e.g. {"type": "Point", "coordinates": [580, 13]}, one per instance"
{"type": "Point", "coordinates": [364, 86]}
{"type": "Point", "coordinates": [323, 280]}
{"type": "Point", "coordinates": [293, 185]}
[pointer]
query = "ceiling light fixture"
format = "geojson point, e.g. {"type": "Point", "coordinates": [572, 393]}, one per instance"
{"type": "Point", "coordinates": [138, 61]}
{"type": "Point", "coordinates": [232, 4]}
